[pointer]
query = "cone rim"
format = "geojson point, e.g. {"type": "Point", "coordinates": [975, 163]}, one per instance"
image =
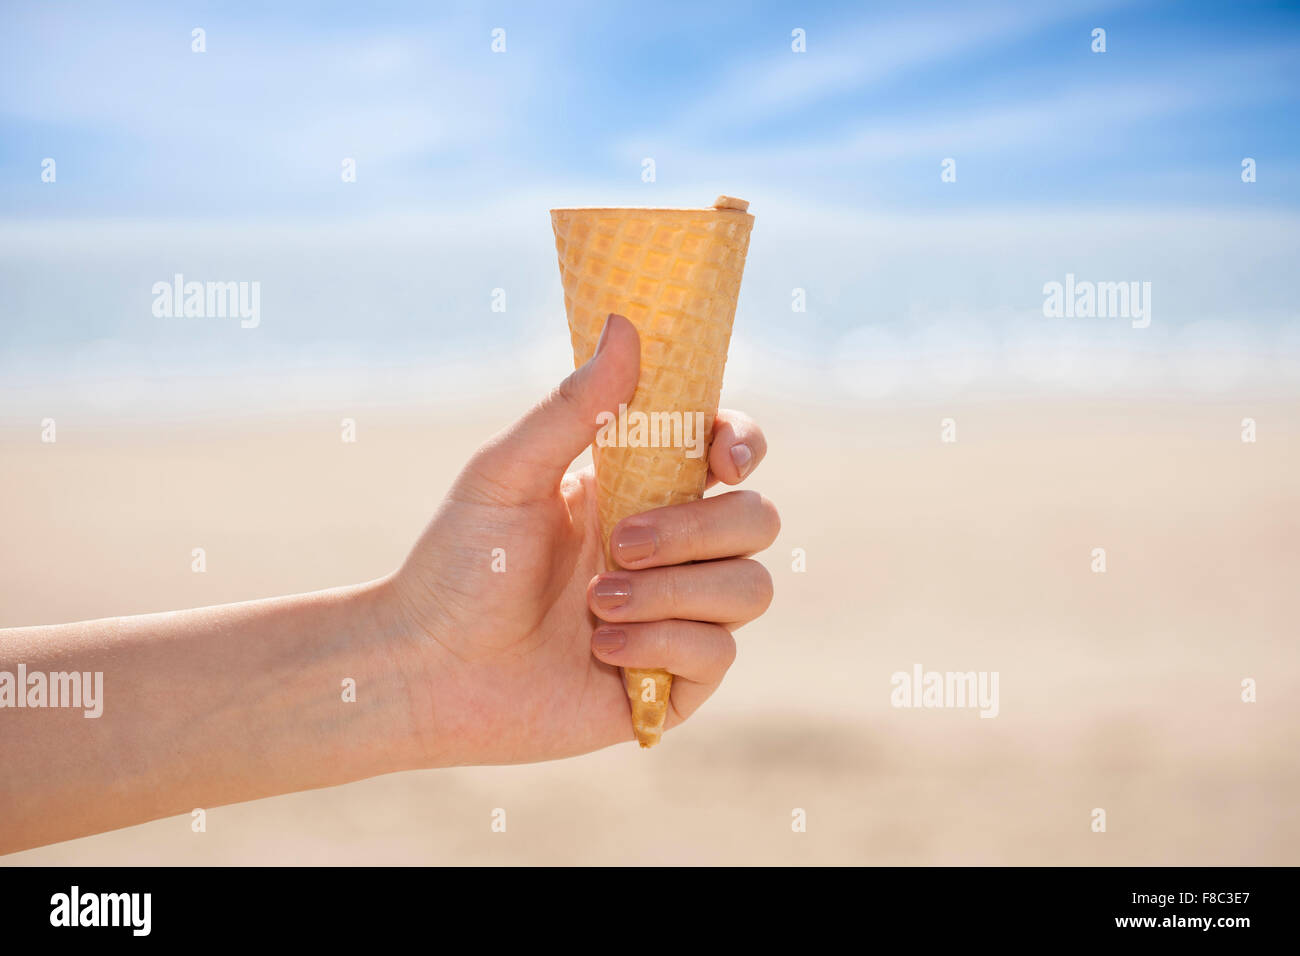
{"type": "Point", "coordinates": [712, 210]}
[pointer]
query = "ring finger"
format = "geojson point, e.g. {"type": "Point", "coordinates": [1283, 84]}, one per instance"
{"type": "Point", "coordinates": [732, 592]}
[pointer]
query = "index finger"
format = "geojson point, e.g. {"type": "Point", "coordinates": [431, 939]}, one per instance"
{"type": "Point", "coordinates": [738, 446]}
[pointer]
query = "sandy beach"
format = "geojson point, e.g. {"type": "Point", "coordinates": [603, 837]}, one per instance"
{"type": "Point", "coordinates": [1118, 690]}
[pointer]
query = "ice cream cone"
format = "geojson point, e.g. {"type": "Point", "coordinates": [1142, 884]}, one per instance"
{"type": "Point", "coordinates": [675, 273]}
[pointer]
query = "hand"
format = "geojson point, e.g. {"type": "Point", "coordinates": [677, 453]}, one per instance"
{"type": "Point", "coordinates": [517, 665]}
{"type": "Point", "coordinates": [443, 662]}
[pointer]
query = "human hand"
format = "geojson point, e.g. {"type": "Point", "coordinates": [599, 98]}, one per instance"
{"type": "Point", "coordinates": [516, 665]}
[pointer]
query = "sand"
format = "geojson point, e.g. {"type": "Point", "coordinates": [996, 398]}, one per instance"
{"type": "Point", "coordinates": [1118, 690]}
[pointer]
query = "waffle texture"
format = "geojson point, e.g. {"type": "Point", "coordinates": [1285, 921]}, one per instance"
{"type": "Point", "coordinates": [675, 274]}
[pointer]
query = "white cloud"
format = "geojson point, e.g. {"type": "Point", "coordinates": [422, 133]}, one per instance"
{"type": "Point", "coordinates": [1076, 110]}
{"type": "Point", "coordinates": [274, 95]}
{"type": "Point", "coordinates": [850, 60]}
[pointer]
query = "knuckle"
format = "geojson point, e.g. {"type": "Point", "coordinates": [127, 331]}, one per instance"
{"type": "Point", "coordinates": [694, 532]}
{"type": "Point", "coordinates": [670, 589]}
{"type": "Point", "coordinates": [763, 513]}
{"type": "Point", "coordinates": [727, 648]}
{"type": "Point", "coordinates": [566, 393]}
{"type": "Point", "coordinates": [761, 583]}
{"type": "Point", "coordinates": [660, 644]}
{"type": "Point", "coordinates": [771, 518]}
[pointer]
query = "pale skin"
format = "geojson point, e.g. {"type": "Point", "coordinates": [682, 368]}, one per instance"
{"type": "Point", "coordinates": [454, 663]}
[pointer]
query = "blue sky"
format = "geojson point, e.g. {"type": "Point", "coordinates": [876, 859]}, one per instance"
{"type": "Point", "coordinates": [226, 165]}
{"type": "Point", "coordinates": [141, 126]}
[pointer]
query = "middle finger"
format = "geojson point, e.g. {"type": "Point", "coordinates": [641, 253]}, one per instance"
{"type": "Point", "coordinates": [725, 526]}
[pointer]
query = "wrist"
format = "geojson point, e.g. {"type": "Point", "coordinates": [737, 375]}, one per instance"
{"type": "Point", "coordinates": [412, 661]}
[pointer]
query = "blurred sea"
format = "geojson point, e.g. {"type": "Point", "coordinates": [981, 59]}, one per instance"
{"type": "Point", "coordinates": [838, 305]}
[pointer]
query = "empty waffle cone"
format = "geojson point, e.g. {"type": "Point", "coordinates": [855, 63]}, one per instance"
{"type": "Point", "coordinates": [675, 273]}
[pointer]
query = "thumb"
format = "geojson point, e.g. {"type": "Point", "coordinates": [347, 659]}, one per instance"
{"type": "Point", "coordinates": [528, 459]}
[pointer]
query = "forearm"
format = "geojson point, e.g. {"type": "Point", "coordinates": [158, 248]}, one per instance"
{"type": "Point", "coordinates": [207, 707]}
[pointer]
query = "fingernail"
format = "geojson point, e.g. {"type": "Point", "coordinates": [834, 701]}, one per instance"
{"type": "Point", "coordinates": [612, 592]}
{"type": "Point", "coordinates": [607, 640]}
{"type": "Point", "coordinates": [742, 456]}
{"type": "Point", "coordinates": [604, 333]}
{"type": "Point", "coordinates": [635, 543]}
